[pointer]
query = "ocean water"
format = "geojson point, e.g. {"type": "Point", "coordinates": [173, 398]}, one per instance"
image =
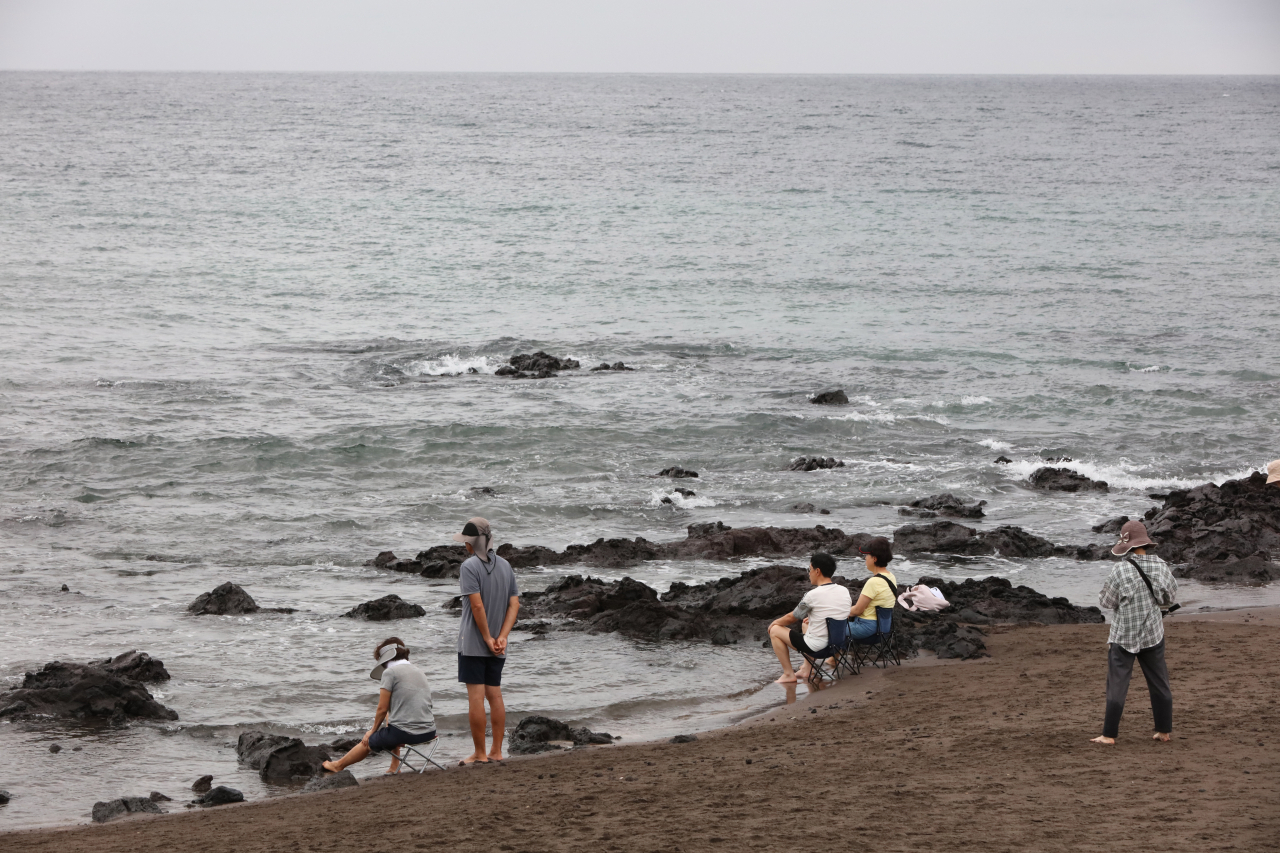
{"type": "Point", "coordinates": [248, 326]}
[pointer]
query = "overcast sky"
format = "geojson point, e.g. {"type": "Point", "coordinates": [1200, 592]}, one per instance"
{"type": "Point", "coordinates": [787, 36]}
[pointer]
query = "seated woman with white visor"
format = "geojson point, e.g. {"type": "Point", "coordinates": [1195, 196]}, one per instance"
{"type": "Point", "coordinates": [404, 704]}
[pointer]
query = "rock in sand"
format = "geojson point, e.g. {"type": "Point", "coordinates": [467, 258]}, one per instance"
{"type": "Point", "coordinates": [219, 796]}
{"type": "Point", "coordinates": [112, 809]}
{"type": "Point", "coordinates": [202, 785]}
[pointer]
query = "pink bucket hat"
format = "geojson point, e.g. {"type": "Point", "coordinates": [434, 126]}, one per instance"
{"type": "Point", "coordinates": [1132, 535]}
{"type": "Point", "coordinates": [1273, 472]}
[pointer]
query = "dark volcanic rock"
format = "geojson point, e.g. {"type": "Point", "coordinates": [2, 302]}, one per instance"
{"type": "Point", "coordinates": [5, 797]}
{"type": "Point", "coordinates": [539, 365]}
{"type": "Point", "coordinates": [1217, 524]}
{"type": "Point", "coordinates": [829, 398]}
{"type": "Point", "coordinates": [1003, 460]}
{"type": "Point", "coordinates": [1111, 526]}
{"type": "Point", "coordinates": [677, 473]}
{"type": "Point", "coordinates": [225, 600]}
{"type": "Point", "coordinates": [947, 537]}
{"type": "Point", "coordinates": [112, 809]}
{"type": "Point", "coordinates": [995, 600]}
{"type": "Point", "coordinates": [219, 796]}
{"type": "Point", "coordinates": [202, 785]}
{"type": "Point", "coordinates": [55, 748]}
{"type": "Point", "coordinates": [945, 504]}
{"type": "Point", "coordinates": [331, 781]}
{"type": "Point", "coordinates": [617, 365]}
{"type": "Point", "coordinates": [814, 463]}
{"type": "Point", "coordinates": [77, 691]}
{"type": "Point", "coordinates": [960, 641]}
{"type": "Point", "coordinates": [157, 797]}
{"type": "Point", "coordinates": [279, 758]}
{"type": "Point", "coordinates": [1254, 569]}
{"type": "Point", "coordinates": [534, 734]}
{"type": "Point", "coordinates": [1064, 480]}
{"type": "Point", "coordinates": [139, 666]}
{"type": "Point", "coordinates": [385, 609]}
{"type": "Point", "coordinates": [684, 739]}
{"type": "Point", "coordinates": [383, 559]}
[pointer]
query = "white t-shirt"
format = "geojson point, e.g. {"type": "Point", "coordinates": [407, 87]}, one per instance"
{"type": "Point", "coordinates": [829, 601]}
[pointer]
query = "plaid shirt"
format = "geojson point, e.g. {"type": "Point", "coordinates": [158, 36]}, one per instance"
{"type": "Point", "coordinates": [1136, 623]}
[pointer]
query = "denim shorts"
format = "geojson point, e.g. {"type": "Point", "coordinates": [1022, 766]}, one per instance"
{"type": "Point", "coordinates": [480, 669]}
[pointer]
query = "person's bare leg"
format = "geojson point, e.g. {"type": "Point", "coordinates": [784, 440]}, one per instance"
{"type": "Point", "coordinates": [1163, 737]}
{"type": "Point", "coordinates": [1102, 739]}
{"type": "Point", "coordinates": [358, 753]}
{"type": "Point", "coordinates": [498, 718]}
{"type": "Point", "coordinates": [782, 648]}
{"type": "Point", "coordinates": [475, 717]}
{"type": "Point", "coordinates": [395, 761]}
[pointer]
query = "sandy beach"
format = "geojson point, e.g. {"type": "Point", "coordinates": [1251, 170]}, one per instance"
{"type": "Point", "coordinates": [991, 754]}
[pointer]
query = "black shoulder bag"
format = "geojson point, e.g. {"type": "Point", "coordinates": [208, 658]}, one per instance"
{"type": "Point", "coordinates": [1150, 588]}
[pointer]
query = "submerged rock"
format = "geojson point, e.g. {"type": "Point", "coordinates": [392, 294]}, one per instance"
{"type": "Point", "coordinates": [1064, 480]}
{"type": "Point", "coordinates": [814, 463]}
{"type": "Point", "coordinates": [81, 692]}
{"type": "Point", "coordinates": [219, 796]}
{"type": "Point", "coordinates": [203, 784]}
{"type": "Point", "coordinates": [157, 797]}
{"type": "Point", "coordinates": [539, 365]}
{"type": "Point", "coordinates": [830, 398]}
{"type": "Point", "coordinates": [5, 797]}
{"type": "Point", "coordinates": [1003, 460]}
{"type": "Point", "coordinates": [385, 609]}
{"type": "Point", "coordinates": [112, 809]}
{"type": "Point", "coordinates": [677, 472]}
{"type": "Point", "coordinates": [279, 758]}
{"type": "Point", "coordinates": [617, 365]}
{"type": "Point", "coordinates": [945, 504]}
{"type": "Point", "coordinates": [226, 600]}
{"type": "Point", "coordinates": [331, 781]}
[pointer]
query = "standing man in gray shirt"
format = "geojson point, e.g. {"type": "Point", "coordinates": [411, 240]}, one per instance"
{"type": "Point", "coordinates": [488, 613]}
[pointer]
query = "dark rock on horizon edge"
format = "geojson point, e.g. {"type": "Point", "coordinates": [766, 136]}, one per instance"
{"type": "Point", "coordinates": [385, 609]}
{"type": "Point", "coordinates": [814, 463]}
{"type": "Point", "coordinates": [227, 599]}
{"type": "Point", "coordinates": [1064, 480]}
{"type": "Point", "coordinates": [112, 809]}
{"type": "Point", "coordinates": [677, 473]}
{"type": "Point", "coordinates": [830, 398]}
{"type": "Point", "coordinates": [82, 692]}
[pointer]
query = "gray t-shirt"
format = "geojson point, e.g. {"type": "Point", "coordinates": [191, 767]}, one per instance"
{"type": "Point", "coordinates": [496, 583]}
{"type": "Point", "coordinates": [410, 708]}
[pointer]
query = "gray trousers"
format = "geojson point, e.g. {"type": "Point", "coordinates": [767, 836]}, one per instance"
{"type": "Point", "coordinates": [1120, 670]}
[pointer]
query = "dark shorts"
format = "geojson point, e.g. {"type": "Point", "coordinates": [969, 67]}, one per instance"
{"type": "Point", "coordinates": [390, 737]}
{"type": "Point", "coordinates": [797, 641]}
{"type": "Point", "coordinates": [478, 669]}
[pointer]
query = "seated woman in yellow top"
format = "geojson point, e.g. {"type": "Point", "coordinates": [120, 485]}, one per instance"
{"type": "Point", "coordinates": [880, 590]}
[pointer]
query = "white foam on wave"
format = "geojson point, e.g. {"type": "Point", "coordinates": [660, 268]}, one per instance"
{"type": "Point", "coordinates": [974, 401]}
{"type": "Point", "coordinates": [1155, 368]}
{"type": "Point", "coordinates": [1122, 474]}
{"type": "Point", "coordinates": [998, 446]}
{"type": "Point", "coordinates": [679, 500]}
{"type": "Point", "coordinates": [452, 364]}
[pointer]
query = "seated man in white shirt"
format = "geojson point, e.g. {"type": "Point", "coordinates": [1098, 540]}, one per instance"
{"type": "Point", "coordinates": [827, 600]}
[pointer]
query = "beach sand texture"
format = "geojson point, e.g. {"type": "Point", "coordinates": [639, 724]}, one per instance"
{"type": "Point", "coordinates": [990, 755]}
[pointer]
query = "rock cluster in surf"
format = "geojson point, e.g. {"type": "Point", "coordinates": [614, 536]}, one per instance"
{"type": "Point", "coordinates": [385, 609]}
{"type": "Point", "coordinates": [815, 463]}
{"type": "Point", "coordinates": [90, 693]}
{"type": "Point", "coordinates": [945, 504]}
{"type": "Point", "coordinates": [1064, 480]}
{"type": "Point", "coordinates": [539, 365]}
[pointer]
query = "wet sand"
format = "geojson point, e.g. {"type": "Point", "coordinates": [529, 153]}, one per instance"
{"type": "Point", "coordinates": [989, 755]}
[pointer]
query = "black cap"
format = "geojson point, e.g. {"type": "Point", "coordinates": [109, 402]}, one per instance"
{"type": "Point", "coordinates": [878, 547]}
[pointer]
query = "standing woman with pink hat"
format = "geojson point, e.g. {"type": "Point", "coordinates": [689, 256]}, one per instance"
{"type": "Point", "coordinates": [1137, 590]}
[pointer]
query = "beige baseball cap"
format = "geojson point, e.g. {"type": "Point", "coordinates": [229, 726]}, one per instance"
{"type": "Point", "coordinates": [478, 534]}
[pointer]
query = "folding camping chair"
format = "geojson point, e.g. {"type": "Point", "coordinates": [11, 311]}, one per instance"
{"type": "Point", "coordinates": [425, 757]}
{"type": "Point", "coordinates": [819, 670]}
{"type": "Point", "coordinates": [878, 649]}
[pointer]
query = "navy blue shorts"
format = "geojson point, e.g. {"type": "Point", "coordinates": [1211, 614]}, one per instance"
{"type": "Point", "coordinates": [480, 669]}
{"type": "Point", "coordinates": [389, 737]}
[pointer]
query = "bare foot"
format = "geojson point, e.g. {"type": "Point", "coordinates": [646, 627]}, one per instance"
{"type": "Point", "coordinates": [1103, 739]}
{"type": "Point", "coordinates": [473, 759]}
{"type": "Point", "coordinates": [803, 672]}
{"type": "Point", "coordinates": [786, 679]}
{"type": "Point", "coordinates": [495, 756]}
{"type": "Point", "coordinates": [1163, 737]}
{"type": "Point", "coordinates": [331, 766]}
